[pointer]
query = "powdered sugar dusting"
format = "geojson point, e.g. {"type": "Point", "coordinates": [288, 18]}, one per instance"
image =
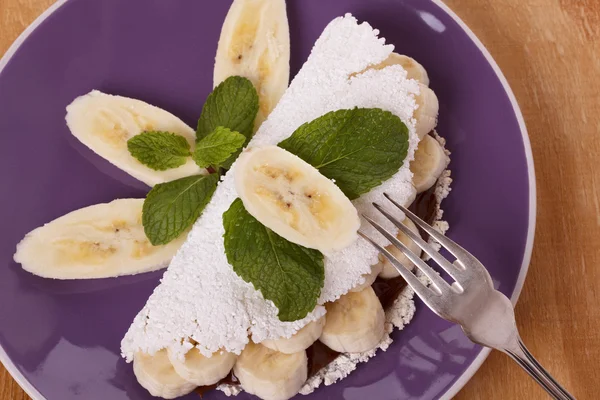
{"type": "Point", "coordinates": [398, 315]}
{"type": "Point", "coordinates": [200, 297]}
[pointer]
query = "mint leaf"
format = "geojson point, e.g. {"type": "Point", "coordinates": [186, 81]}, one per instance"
{"type": "Point", "coordinates": [233, 104]}
{"type": "Point", "coordinates": [159, 150]}
{"type": "Point", "coordinates": [215, 148]}
{"type": "Point", "coordinates": [170, 208]}
{"type": "Point", "coordinates": [359, 148]}
{"type": "Point", "coordinates": [288, 274]}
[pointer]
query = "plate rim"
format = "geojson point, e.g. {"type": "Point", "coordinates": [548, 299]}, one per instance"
{"type": "Point", "coordinates": [483, 354]}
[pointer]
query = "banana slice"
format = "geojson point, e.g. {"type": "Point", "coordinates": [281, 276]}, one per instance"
{"type": "Point", "coordinates": [427, 112]}
{"type": "Point", "coordinates": [100, 241]}
{"type": "Point", "coordinates": [292, 198]}
{"type": "Point", "coordinates": [255, 43]}
{"type": "Point", "coordinates": [355, 322]}
{"type": "Point", "coordinates": [201, 370]}
{"type": "Point", "coordinates": [300, 341]}
{"type": "Point", "coordinates": [413, 69]}
{"type": "Point", "coordinates": [157, 375]}
{"type": "Point", "coordinates": [429, 163]}
{"type": "Point", "coordinates": [269, 374]}
{"type": "Point", "coordinates": [369, 278]}
{"type": "Point", "coordinates": [389, 271]}
{"type": "Point", "coordinates": [104, 123]}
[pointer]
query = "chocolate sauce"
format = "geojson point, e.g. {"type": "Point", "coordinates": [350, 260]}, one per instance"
{"type": "Point", "coordinates": [387, 290]}
{"type": "Point", "coordinates": [319, 356]}
{"type": "Point", "coordinates": [425, 205]}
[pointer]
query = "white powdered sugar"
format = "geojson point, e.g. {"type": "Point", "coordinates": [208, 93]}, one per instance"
{"type": "Point", "coordinates": [200, 296]}
{"type": "Point", "coordinates": [398, 315]}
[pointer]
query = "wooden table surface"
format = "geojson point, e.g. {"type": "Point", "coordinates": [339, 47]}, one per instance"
{"type": "Point", "coordinates": [549, 51]}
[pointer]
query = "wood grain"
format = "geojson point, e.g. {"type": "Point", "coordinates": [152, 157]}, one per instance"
{"type": "Point", "coordinates": [549, 51]}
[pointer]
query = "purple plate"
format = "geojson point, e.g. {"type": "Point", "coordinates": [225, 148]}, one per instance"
{"type": "Point", "coordinates": [61, 339]}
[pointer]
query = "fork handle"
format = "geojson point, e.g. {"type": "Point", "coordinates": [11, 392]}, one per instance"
{"type": "Point", "coordinates": [526, 360]}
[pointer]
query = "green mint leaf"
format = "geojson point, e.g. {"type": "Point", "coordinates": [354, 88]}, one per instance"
{"type": "Point", "coordinates": [216, 148]}
{"type": "Point", "coordinates": [171, 208]}
{"type": "Point", "coordinates": [233, 104]}
{"type": "Point", "coordinates": [159, 150]}
{"type": "Point", "coordinates": [290, 275]}
{"type": "Point", "coordinates": [359, 148]}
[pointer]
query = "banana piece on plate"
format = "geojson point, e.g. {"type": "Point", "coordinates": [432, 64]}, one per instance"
{"type": "Point", "coordinates": [292, 198]}
{"type": "Point", "coordinates": [413, 69]}
{"type": "Point", "coordinates": [429, 163]}
{"type": "Point", "coordinates": [301, 340]}
{"type": "Point", "coordinates": [428, 105]}
{"type": "Point", "coordinates": [255, 44]}
{"type": "Point", "coordinates": [355, 322]}
{"type": "Point", "coordinates": [369, 278]}
{"type": "Point", "coordinates": [426, 113]}
{"type": "Point", "coordinates": [100, 241]}
{"type": "Point", "coordinates": [201, 370]}
{"type": "Point", "coordinates": [389, 271]}
{"type": "Point", "coordinates": [269, 374]}
{"type": "Point", "coordinates": [104, 123]}
{"type": "Point", "coordinates": [157, 375]}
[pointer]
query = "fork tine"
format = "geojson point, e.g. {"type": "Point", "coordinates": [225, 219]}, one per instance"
{"type": "Point", "coordinates": [440, 284]}
{"type": "Point", "coordinates": [456, 250]}
{"type": "Point", "coordinates": [420, 289]}
{"type": "Point", "coordinates": [437, 257]}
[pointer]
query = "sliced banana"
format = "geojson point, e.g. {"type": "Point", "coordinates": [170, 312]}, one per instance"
{"type": "Point", "coordinates": [292, 198]}
{"type": "Point", "coordinates": [369, 278]}
{"type": "Point", "coordinates": [157, 375]}
{"type": "Point", "coordinates": [355, 322]}
{"type": "Point", "coordinates": [100, 241]}
{"type": "Point", "coordinates": [427, 111]}
{"type": "Point", "coordinates": [201, 370]}
{"type": "Point", "coordinates": [269, 374]}
{"type": "Point", "coordinates": [255, 43]}
{"type": "Point", "coordinates": [389, 271]}
{"type": "Point", "coordinates": [104, 123]}
{"type": "Point", "coordinates": [413, 69]}
{"type": "Point", "coordinates": [299, 341]}
{"type": "Point", "coordinates": [429, 163]}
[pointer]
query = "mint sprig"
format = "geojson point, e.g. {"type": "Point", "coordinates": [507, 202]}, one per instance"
{"type": "Point", "coordinates": [290, 275]}
{"type": "Point", "coordinates": [171, 208]}
{"type": "Point", "coordinates": [233, 104]}
{"type": "Point", "coordinates": [225, 125]}
{"type": "Point", "coordinates": [358, 148]}
{"type": "Point", "coordinates": [217, 147]}
{"type": "Point", "coordinates": [159, 150]}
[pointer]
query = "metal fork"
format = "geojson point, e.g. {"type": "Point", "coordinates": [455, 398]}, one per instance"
{"type": "Point", "coordinates": [485, 315]}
